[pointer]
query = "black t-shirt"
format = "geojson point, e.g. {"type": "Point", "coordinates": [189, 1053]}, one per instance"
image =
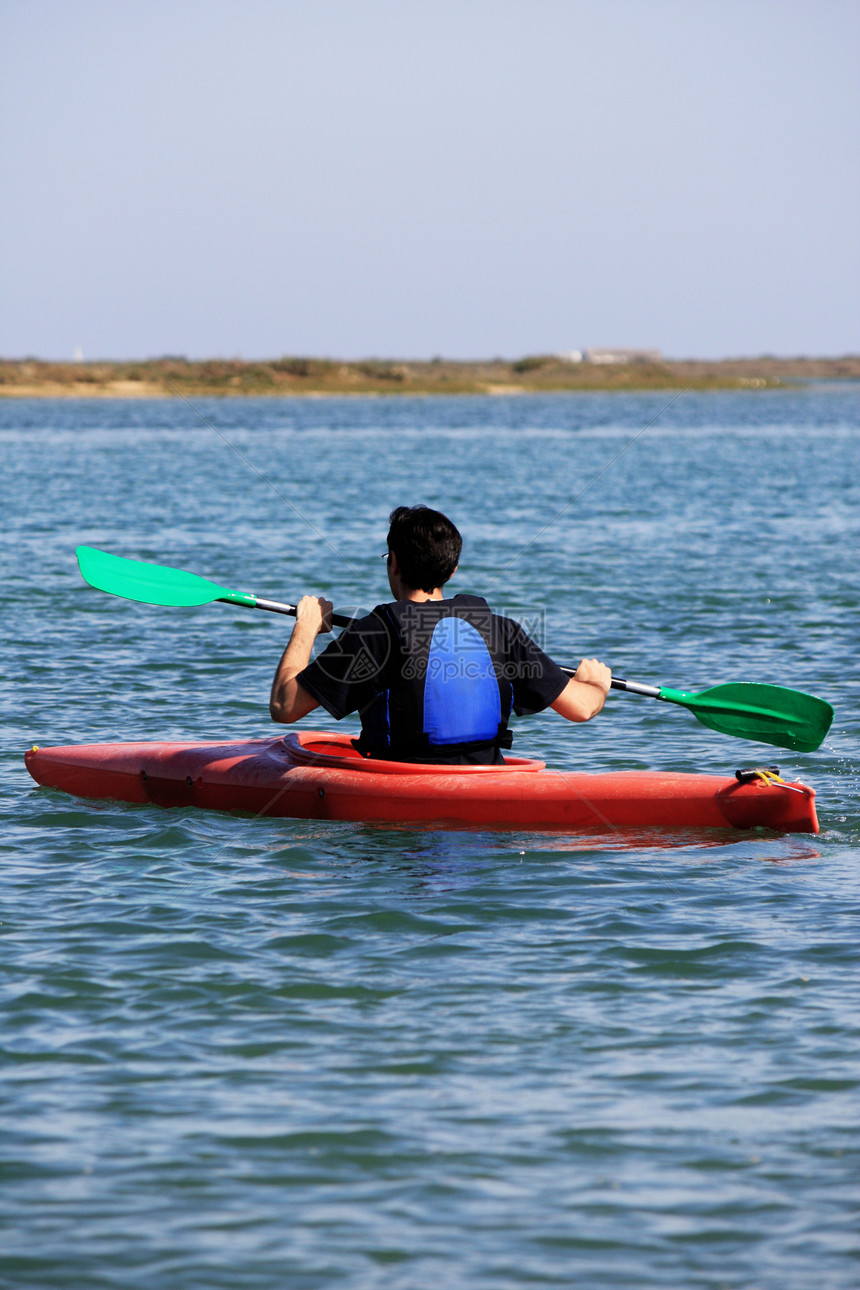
{"type": "Point", "coordinates": [368, 659]}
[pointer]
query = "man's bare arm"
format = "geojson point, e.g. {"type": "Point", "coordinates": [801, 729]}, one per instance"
{"type": "Point", "coordinates": [585, 693]}
{"type": "Point", "coordinates": [288, 701]}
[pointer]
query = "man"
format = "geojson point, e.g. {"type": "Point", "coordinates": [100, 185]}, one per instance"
{"type": "Point", "coordinates": [433, 679]}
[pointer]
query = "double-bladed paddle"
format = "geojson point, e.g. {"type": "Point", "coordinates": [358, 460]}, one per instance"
{"type": "Point", "coordinates": [769, 714]}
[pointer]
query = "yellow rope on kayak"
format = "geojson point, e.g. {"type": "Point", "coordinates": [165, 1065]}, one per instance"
{"type": "Point", "coordinates": [773, 777]}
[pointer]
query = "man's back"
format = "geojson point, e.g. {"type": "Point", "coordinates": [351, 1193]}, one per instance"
{"type": "Point", "coordinates": [434, 680]}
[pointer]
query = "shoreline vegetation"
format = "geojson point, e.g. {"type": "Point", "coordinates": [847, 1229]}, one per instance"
{"type": "Point", "coordinates": [175, 377]}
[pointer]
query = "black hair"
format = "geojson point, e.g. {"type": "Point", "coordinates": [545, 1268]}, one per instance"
{"type": "Point", "coordinates": [427, 546]}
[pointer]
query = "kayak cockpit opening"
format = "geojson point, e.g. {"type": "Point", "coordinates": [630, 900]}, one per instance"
{"type": "Point", "coordinates": [315, 747]}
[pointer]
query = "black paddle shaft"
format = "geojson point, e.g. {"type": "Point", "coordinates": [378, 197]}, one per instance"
{"type": "Point", "coordinates": [341, 620]}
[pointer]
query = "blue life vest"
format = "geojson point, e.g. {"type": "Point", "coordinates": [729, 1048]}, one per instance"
{"type": "Point", "coordinates": [445, 693]}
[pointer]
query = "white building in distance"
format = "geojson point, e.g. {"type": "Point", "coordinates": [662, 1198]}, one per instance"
{"type": "Point", "coordinates": [622, 356]}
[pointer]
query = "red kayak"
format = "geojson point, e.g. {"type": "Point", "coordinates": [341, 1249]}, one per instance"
{"type": "Point", "coordinates": [320, 776]}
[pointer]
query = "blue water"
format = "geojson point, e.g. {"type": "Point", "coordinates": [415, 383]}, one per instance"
{"type": "Point", "coordinates": [259, 1053]}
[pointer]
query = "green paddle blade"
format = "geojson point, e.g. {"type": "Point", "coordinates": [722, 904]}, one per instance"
{"type": "Point", "coordinates": [769, 714]}
{"type": "Point", "coordinates": [151, 584]}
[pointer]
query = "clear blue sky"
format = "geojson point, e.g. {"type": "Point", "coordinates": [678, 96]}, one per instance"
{"type": "Point", "coordinates": [467, 178]}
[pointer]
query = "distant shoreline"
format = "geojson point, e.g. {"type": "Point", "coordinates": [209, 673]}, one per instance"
{"type": "Point", "coordinates": [315, 377]}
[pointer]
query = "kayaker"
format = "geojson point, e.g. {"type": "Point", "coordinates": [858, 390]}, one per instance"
{"type": "Point", "coordinates": [433, 679]}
